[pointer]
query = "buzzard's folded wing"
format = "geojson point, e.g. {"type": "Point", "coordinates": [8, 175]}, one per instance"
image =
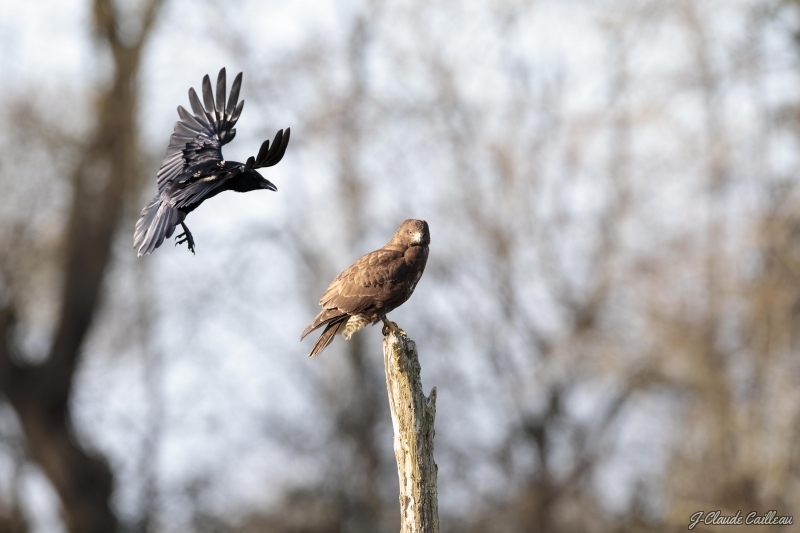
{"type": "Point", "coordinates": [371, 280]}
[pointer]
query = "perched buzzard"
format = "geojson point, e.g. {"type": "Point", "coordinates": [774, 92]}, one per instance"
{"type": "Point", "coordinates": [376, 284]}
{"type": "Point", "coordinates": [193, 169]}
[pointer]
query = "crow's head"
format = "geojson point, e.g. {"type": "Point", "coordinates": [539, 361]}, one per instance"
{"type": "Point", "coordinates": [251, 180]}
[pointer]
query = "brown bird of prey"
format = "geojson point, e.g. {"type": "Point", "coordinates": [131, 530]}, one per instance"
{"type": "Point", "coordinates": [193, 169]}
{"type": "Point", "coordinates": [373, 286]}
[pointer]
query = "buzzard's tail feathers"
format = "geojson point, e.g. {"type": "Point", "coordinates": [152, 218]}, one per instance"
{"type": "Point", "coordinates": [327, 337]}
{"type": "Point", "coordinates": [157, 222]}
{"type": "Point", "coordinates": [311, 327]}
{"type": "Point", "coordinates": [324, 317]}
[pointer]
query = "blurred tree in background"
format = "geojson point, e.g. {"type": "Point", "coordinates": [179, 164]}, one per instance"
{"type": "Point", "coordinates": [609, 311]}
{"type": "Point", "coordinates": [104, 167]}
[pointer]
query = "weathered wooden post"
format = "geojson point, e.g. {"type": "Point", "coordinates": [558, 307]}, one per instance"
{"type": "Point", "coordinates": [412, 419]}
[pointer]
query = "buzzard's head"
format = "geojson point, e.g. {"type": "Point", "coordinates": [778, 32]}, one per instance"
{"type": "Point", "coordinates": [413, 233]}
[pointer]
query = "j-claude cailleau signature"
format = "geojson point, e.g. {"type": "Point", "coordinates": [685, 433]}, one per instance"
{"type": "Point", "coordinates": [716, 518]}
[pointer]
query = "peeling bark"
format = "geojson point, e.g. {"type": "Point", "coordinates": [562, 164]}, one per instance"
{"type": "Point", "coordinates": [412, 420]}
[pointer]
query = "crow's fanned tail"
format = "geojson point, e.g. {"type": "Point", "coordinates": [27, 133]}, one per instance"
{"type": "Point", "coordinates": [157, 222]}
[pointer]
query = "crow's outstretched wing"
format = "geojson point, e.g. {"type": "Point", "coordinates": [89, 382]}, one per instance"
{"type": "Point", "coordinates": [198, 138]}
{"type": "Point", "coordinates": [267, 156]}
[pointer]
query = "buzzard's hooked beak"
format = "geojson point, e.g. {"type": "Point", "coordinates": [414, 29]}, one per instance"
{"type": "Point", "coordinates": [266, 184]}
{"type": "Point", "coordinates": [418, 237]}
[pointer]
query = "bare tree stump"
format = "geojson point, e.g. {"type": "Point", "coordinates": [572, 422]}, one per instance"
{"type": "Point", "coordinates": [412, 419]}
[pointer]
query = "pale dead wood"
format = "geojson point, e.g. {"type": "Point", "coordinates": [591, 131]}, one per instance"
{"type": "Point", "coordinates": [413, 415]}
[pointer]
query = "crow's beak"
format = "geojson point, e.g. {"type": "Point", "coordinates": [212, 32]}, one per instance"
{"type": "Point", "coordinates": [266, 184]}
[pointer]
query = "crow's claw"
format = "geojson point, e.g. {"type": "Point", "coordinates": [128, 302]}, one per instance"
{"type": "Point", "coordinates": [187, 238]}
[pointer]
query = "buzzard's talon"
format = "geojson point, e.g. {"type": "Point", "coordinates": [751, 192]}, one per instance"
{"type": "Point", "coordinates": [187, 238]}
{"type": "Point", "coordinates": [391, 327]}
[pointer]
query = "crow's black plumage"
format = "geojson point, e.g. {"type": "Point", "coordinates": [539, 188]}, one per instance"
{"type": "Point", "coordinates": [193, 169]}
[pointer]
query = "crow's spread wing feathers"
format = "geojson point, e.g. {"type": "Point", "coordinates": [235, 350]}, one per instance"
{"type": "Point", "coordinates": [267, 156]}
{"type": "Point", "coordinates": [198, 138]}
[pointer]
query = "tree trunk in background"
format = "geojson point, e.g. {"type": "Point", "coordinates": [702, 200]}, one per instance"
{"type": "Point", "coordinates": [412, 420]}
{"type": "Point", "coordinates": [40, 394]}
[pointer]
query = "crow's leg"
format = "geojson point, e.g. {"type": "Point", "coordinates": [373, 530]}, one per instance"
{"type": "Point", "coordinates": [187, 238]}
{"type": "Point", "coordinates": [391, 327]}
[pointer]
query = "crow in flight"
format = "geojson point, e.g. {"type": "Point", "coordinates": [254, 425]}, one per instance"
{"type": "Point", "coordinates": [193, 169]}
{"type": "Point", "coordinates": [373, 286]}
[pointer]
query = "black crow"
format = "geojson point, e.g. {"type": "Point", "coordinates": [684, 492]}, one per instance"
{"type": "Point", "coordinates": [193, 169]}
